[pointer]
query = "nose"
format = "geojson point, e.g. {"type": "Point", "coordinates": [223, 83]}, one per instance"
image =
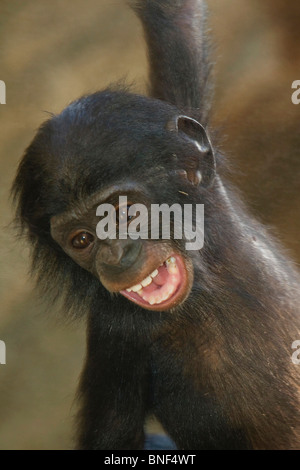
{"type": "Point", "coordinates": [118, 255]}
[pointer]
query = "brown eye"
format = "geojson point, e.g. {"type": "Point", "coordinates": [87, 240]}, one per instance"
{"type": "Point", "coordinates": [82, 240]}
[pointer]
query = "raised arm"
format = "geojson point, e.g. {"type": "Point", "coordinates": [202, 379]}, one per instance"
{"type": "Point", "coordinates": [178, 52]}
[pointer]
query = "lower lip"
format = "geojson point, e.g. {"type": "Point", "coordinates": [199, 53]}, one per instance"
{"type": "Point", "coordinates": [171, 301]}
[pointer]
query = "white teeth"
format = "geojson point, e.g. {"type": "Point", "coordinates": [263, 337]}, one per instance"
{"type": "Point", "coordinates": [154, 274]}
{"type": "Point", "coordinates": [166, 296]}
{"type": "Point", "coordinates": [159, 300]}
{"type": "Point", "coordinates": [172, 268]}
{"type": "Point", "coordinates": [136, 288]}
{"type": "Point", "coordinates": [146, 281]}
{"type": "Point", "coordinates": [171, 265]}
{"type": "Point", "coordinates": [139, 287]}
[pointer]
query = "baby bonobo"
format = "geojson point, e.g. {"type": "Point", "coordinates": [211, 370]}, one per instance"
{"type": "Point", "coordinates": [199, 338]}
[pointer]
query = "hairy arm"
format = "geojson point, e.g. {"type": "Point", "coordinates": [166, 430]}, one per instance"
{"type": "Point", "coordinates": [178, 51]}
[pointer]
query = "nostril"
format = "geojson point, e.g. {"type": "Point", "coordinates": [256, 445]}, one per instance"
{"type": "Point", "coordinates": [111, 254]}
{"type": "Point", "coordinates": [120, 254]}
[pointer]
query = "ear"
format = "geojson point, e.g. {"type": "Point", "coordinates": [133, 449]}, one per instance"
{"type": "Point", "coordinates": [200, 167]}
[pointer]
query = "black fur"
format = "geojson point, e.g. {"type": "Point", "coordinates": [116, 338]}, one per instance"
{"type": "Point", "coordinates": [215, 370]}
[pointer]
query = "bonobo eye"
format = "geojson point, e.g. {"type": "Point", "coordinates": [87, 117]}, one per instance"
{"type": "Point", "coordinates": [122, 216]}
{"type": "Point", "coordinates": [82, 240]}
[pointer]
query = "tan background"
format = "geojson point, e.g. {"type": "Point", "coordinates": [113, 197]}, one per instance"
{"type": "Point", "coordinates": [51, 53]}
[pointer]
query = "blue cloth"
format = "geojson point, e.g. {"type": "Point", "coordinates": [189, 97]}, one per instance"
{"type": "Point", "coordinates": [158, 442]}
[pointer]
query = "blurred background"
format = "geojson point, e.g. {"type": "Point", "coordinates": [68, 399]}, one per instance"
{"type": "Point", "coordinates": [53, 52]}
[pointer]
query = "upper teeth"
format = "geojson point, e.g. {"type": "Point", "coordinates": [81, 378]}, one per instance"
{"type": "Point", "coordinates": [144, 283]}
{"type": "Point", "coordinates": [171, 265]}
{"type": "Point", "coordinates": [147, 281]}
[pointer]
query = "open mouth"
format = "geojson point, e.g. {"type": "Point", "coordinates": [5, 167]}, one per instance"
{"type": "Point", "coordinates": [162, 288]}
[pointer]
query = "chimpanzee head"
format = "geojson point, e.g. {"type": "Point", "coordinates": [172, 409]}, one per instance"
{"type": "Point", "coordinates": [114, 149]}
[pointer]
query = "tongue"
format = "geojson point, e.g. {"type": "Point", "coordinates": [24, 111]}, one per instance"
{"type": "Point", "coordinates": [163, 285]}
{"type": "Point", "coordinates": [162, 276]}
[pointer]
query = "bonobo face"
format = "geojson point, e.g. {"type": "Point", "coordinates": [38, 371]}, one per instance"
{"type": "Point", "coordinates": [151, 273]}
{"type": "Point", "coordinates": [103, 147]}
